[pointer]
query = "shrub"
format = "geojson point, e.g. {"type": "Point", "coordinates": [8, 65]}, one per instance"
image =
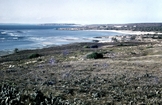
{"type": "Point", "coordinates": [35, 55]}
{"type": "Point", "coordinates": [145, 53]}
{"type": "Point", "coordinates": [94, 46]}
{"type": "Point", "coordinates": [121, 44]}
{"type": "Point", "coordinates": [95, 55]}
{"type": "Point", "coordinates": [16, 50]}
{"type": "Point", "coordinates": [86, 46]}
{"type": "Point", "coordinates": [149, 47]}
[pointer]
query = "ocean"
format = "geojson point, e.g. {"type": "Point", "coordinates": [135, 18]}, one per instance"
{"type": "Point", "coordinates": [38, 36]}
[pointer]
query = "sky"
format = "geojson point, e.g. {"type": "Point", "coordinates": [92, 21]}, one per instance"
{"type": "Point", "coordinates": [80, 11]}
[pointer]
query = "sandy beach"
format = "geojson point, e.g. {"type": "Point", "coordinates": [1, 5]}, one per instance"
{"type": "Point", "coordinates": [128, 32]}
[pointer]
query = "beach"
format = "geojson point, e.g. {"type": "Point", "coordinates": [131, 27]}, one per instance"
{"type": "Point", "coordinates": [131, 32]}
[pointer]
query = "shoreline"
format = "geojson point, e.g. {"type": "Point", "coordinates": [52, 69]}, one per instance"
{"type": "Point", "coordinates": [122, 36]}
{"type": "Point", "coordinates": [125, 36]}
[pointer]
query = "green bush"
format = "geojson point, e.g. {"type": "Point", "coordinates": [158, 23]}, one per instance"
{"type": "Point", "coordinates": [92, 46]}
{"type": "Point", "coordinates": [16, 50]}
{"type": "Point", "coordinates": [35, 55]}
{"type": "Point", "coordinates": [86, 46]}
{"type": "Point", "coordinates": [95, 55]}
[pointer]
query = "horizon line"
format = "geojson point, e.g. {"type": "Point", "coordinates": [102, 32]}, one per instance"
{"type": "Point", "coordinates": [84, 24]}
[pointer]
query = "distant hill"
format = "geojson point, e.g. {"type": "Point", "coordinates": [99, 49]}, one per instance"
{"type": "Point", "coordinates": [50, 24]}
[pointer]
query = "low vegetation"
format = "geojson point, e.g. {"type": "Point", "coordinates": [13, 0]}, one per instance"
{"type": "Point", "coordinates": [63, 76]}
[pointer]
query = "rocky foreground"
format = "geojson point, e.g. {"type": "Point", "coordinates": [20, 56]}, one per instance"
{"type": "Point", "coordinates": [129, 73]}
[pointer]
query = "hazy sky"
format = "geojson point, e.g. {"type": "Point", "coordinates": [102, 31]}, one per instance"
{"type": "Point", "coordinates": [80, 11]}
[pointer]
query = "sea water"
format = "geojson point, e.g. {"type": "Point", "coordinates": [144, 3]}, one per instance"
{"type": "Point", "coordinates": [38, 36]}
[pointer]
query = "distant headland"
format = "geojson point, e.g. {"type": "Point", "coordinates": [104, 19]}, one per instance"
{"type": "Point", "coordinates": [131, 26]}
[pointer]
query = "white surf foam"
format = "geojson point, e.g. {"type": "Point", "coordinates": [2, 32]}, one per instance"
{"type": "Point", "coordinates": [3, 32]}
